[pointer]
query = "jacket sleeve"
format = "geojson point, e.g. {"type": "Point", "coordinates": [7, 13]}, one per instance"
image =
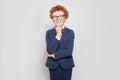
{"type": "Point", "coordinates": [62, 53]}
{"type": "Point", "coordinates": [51, 43]}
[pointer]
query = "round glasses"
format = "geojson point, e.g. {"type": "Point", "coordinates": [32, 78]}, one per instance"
{"type": "Point", "coordinates": [60, 17]}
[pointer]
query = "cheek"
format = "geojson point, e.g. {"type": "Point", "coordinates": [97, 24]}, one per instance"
{"type": "Point", "coordinates": [63, 20]}
{"type": "Point", "coordinates": [54, 21]}
{"type": "Point", "coordinates": [59, 21]}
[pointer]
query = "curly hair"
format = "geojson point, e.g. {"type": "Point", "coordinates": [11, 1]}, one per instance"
{"type": "Point", "coordinates": [59, 8]}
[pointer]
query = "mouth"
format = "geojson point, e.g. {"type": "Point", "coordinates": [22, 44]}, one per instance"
{"type": "Point", "coordinates": [58, 22]}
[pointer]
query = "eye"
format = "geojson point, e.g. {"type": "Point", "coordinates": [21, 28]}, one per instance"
{"type": "Point", "coordinates": [59, 16]}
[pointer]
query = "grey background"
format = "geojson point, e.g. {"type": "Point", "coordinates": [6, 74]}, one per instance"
{"type": "Point", "coordinates": [23, 24]}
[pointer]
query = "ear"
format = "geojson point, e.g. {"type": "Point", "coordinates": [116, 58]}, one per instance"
{"type": "Point", "coordinates": [66, 19]}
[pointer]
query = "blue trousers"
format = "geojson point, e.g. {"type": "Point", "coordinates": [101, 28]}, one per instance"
{"type": "Point", "coordinates": [60, 74]}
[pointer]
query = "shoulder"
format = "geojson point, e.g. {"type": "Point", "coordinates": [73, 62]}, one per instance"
{"type": "Point", "coordinates": [69, 30]}
{"type": "Point", "coordinates": [50, 31]}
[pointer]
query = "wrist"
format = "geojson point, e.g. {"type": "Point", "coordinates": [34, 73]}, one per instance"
{"type": "Point", "coordinates": [59, 34]}
{"type": "Point", "coordinates": [49, 55]}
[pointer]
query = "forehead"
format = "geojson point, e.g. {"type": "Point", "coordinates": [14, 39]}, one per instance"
{"type": "Point", "coordinates": [58, 13]}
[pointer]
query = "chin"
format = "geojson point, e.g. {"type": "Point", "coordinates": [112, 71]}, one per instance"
{"type": "Point", "coordinates": [59, 24]}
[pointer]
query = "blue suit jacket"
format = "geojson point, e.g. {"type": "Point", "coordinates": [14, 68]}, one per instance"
{"type": "Point", "coordinates": [62, 49]}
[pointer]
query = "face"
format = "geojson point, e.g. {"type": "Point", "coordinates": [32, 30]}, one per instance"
{"type": "Point", "coordinates": [58, 18]}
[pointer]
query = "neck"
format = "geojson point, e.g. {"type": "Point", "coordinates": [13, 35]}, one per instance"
{"type": "Point", "coordinates": [61, 26]}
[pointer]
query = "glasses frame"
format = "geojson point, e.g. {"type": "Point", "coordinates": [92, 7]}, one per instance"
{"type": "Point", "coordinates": [56, 17]}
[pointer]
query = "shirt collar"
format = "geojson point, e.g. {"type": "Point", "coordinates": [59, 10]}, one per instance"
{"type": "Point", "coordinates": [63, 27]}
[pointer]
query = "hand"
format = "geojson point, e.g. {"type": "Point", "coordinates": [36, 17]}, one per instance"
{"type": "Point", "coordinates": [58, 31]}
{"type": "Point", "coordinates": [47, 54]}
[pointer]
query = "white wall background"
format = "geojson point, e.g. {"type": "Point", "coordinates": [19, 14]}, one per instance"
{"type": "Point", "coordinates": [23, 24]}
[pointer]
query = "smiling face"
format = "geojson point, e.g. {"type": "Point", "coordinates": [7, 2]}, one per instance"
{"type": "Point", "coordinates": [58, 18]}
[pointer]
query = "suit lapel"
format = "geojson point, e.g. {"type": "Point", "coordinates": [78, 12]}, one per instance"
{"type": "Point", "coordinates": [64, 33]}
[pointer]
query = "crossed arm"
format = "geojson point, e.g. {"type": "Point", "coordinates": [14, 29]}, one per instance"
{"type": "Point", "coordinates": [52, 44]}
